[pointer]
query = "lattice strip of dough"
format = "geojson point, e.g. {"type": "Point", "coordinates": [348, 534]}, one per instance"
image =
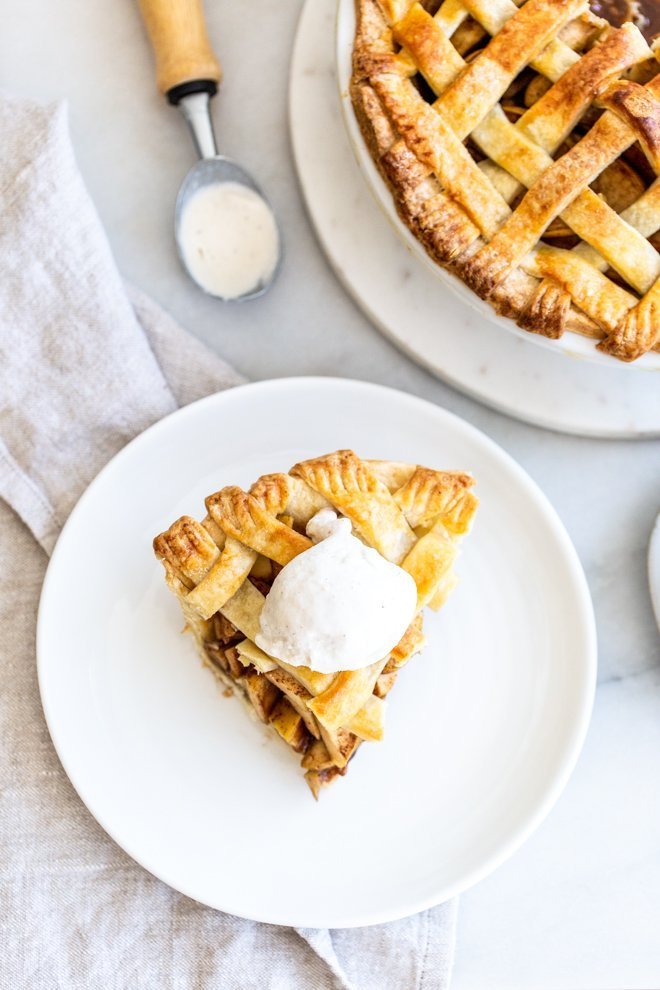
{"type": "Point", "coordinates": [438, 549]}
{"type": "Point", "coordinates": [187, 550]}
{"type": "Point", "coordinates": [434, 143]}
{"type": "Point", "coordinates": [639, 108]}
{"type": "Point", "coordinates": [244, 517]}
{"type": "Point", "coordinates": [588, 215]}
{"type": "Point", "coordinates": [639, 331]}
{"type": "Point", "coordinates": [348, 692]}
{"type": "Point", "coordinates": [592, 291]}
{"type": "Point", "coordinates": [634, 258]}
{"type": "Point", "coordinates": [427, 497]}
{"type": "Point", "coordinates": [277, 494]}
{"type": "Point", "coordinates": [350, 486]}
{"type": "Point", "coordinates": [522, 37]}
{"type": "Point", "coordinates": [551, 62]}
{"type": "Point", "coordinates": [557, 191]}
{"type": "Point", "coordinates": [524, 149]}
{"type": "Point", "coordinates": [450, 15]}
{"type": "Point", "coordinates": [428, 49]}
{"type": "Point", "coordinates": [439, 144]}
{"type": "Point", "coordinates": [223, 579]}
{"type": "Point", "coordinates": [643, 215]}
{"type": "Point", "coordinates": [612, 237]}
{"type": "Point", "coordinates": [549, 121]}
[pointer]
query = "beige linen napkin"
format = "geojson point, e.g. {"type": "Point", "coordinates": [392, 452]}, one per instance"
{"type": "Point", "coordinates": [84, 366]}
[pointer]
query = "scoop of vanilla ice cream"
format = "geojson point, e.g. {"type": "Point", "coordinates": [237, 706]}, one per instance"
{"type": "Point", "coordinates": [339, 605]}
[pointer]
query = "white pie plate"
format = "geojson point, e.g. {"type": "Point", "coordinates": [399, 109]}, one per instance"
{"type": "Point", "coordinates": [483, 728]}
{"type": "Point", "coordinates": [573, 344]}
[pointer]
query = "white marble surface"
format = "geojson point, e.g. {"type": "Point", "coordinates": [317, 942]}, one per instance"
{"type": "Point", "coordinates": [579, 905]}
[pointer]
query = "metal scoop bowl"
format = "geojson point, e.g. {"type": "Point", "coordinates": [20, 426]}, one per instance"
{"type": "Point", "coordinates": [188, 74]}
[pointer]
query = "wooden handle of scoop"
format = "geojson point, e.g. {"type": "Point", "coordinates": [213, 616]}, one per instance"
{"type": "Point", "coordinates": [177, 31]}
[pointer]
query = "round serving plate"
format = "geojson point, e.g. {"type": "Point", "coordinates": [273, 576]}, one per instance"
{"type": "Point", "coordinates": [573, 344]}
{"type": "Point", "coordinates": [411, 305]}
{"type": "Point", "coordinates": [483, 728]}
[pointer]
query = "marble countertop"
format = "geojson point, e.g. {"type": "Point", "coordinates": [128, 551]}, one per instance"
{"type": "Point", "coordinates": [579, 905]}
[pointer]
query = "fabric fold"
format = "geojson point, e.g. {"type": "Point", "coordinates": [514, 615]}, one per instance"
{"type": "Point", "coordinates": [87, 363]}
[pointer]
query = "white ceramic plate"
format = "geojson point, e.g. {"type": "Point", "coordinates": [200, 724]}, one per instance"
{"type": "Point", "coordinates": [573, 344]}
{"type": "Point", "coordinates": [483, 728]}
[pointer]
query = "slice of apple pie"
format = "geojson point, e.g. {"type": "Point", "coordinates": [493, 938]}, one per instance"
{"type": "Point", "coordinates": [305, 593]}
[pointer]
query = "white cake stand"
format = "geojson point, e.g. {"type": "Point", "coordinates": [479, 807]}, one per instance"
{"type": "Point", "coordinates": [411, 306]}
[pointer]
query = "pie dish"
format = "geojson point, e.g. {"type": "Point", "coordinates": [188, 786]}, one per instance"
{"type": "Point", "coordinates": [222, 569]}
{"type": "Point", "coordinates": [520, 145]}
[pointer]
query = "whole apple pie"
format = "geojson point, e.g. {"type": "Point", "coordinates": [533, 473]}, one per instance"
{"type": "Point", "coordinates": [521, 142]}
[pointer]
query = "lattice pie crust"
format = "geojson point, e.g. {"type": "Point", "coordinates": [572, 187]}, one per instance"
{"type": "Point", "coordinates": [521, 141]}
{"type": "Point", "coordinates": [221, 569]}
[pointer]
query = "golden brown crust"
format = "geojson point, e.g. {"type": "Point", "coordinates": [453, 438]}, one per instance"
{"type": "Point", "coordinates": [221, 568]}
{"type": "Point", "coordinates": [640, 110]}
{"type": "Point", "coordinates": [430, 563]}
{"type": "Point", "coordinates": [547, 310]}
{"type": "Point", "coordinates": [350, 486]}
{"type": "Point", "coordinates": [459, 205]}
{"type": "Point", "coordinates": [431, 496]}
{"type": "Point", "coordinates": [410, 643]}
{"type": "Point", "coordinates": [369, 722]}
{"type": "Point", "coordinates": [246, 519]}
{"type": "Point", "coordinates": [188, 550]}
{"type": "Point", "coordinates": [223, 579]}
{"type": "Point", "coordinates": [348, 692]}
{"type": "Point", "coordinates": [639, 331]}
